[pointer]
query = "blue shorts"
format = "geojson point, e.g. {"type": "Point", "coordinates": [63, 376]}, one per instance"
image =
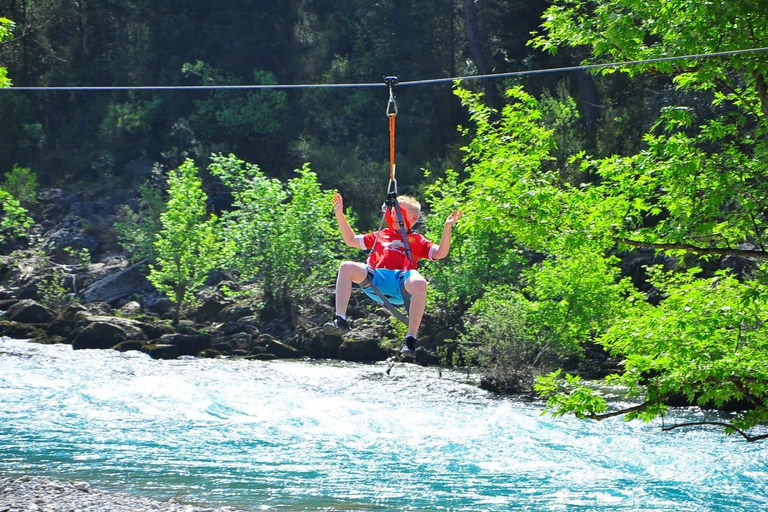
{"type": "Point", "coordinates": [389, 282]}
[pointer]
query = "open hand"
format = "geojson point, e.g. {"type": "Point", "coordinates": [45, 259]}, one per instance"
{"type": "Point", "coordinates": [453, 217]}
{"type": "Point", "coordinates": [338, 202]}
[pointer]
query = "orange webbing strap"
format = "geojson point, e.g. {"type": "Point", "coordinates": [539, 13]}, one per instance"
{"type": "Point", "coordinates": [391, 82]}
{"type": "Point", "coordinates": [392, 147]}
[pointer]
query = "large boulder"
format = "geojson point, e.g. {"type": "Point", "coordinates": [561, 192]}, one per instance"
{"type": "Point", "coordinates": [161, 350]}
{"type": "Point", "coordinates": [363, 350]}
{"type": "Point", "coordinates": [281, 350]}
{"type": "Point", "coordinates": [235, 312]}
{"type": "Point", "coordinates": [67, 319]}
{"type": "Point", "coordinates": [324, 347]}
{"type": "Point", "coordinates": [106, 334]}
{"type": "Point", "coordinates": [187, 344]}
{"type": "Point", "coordinates": [61, 240]}
{"type": "Point", "coordinates": [210, 308]}
{"type": "Point", "coordinates": [144, 331]}
{"type": "Point", "coordinates": [119, 285]}
{"type": "Point", "coordinates": [29, 312]}
{"type": "Point", "coordinates": [20, 331]}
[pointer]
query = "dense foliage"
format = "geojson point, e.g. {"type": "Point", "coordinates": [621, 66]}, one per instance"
{"type": "Point", "coordinates": [277, 234]}
{"type": "Point", "coordinates": [188, 244]}
{"type": "Point", "coordinates": [83, 136]}
{"type": "Point", "coordinates": [696, 193]}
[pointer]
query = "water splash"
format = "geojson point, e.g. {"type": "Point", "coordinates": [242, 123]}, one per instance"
{"type": "Point", "coordinates": [290, 435]}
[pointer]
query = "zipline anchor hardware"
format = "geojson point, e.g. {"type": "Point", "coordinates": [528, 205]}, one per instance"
{"type": "Point", "coordinates": [391, 82]}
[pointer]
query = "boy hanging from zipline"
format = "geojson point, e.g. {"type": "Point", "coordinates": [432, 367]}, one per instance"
{"type": "Point", "coordinates": [389, 276]}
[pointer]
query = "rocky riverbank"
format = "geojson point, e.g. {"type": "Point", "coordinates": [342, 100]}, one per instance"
{"type": "Point", "coordinates": [39, 494]}
{"type": "Point", "coordinates": [71, 282]}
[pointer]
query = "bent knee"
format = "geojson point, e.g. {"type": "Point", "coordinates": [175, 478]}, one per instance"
{"type": "Point", "coordinates": [416, 285]}
{"type": "Point", "coordinates": [357, 272]}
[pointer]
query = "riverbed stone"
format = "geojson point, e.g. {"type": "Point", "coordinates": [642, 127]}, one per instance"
{"type": "Point", "coordinates": [30, 312]}
{"type": "Point", "coordinates": [125, 346]}
{"type": "Point", "coordinates": [20, 331]}
{"type": "Point", "coordinates": [234, 312]}
{"type": "Point", "coordinates": [67, 319]}
{"type": "Point", "coordinates": [187, 344]}
{"type": "Point", "coordinates": [34, 493]}
{"type": "Point", "coordinates": [365, 350]}
{"type": "Point", "coordinates": [281, 350]}
{"type": "Point", "coordinates": [324, 347]}
{"type": "Point", "coordinates": [210, 309]}
{"type": "Point", "coordinates": [6, 303]}
{"type": "Point", "coordinates": [105, 334]}
{"type": "Point", "coordinates": [161, 350]}
{"type": "Point", "coordinates": [119, 285]}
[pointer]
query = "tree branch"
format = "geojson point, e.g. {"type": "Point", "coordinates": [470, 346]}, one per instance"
{"type": "Point", "coordinates": [620, 412]}
{"type": "Point", "coordinates": [739, 253]}
{"type": "Point", "coordinates": [743, 434]}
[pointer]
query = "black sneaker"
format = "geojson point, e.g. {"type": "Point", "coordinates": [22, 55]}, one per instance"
{"type": "Point", "coordinates": [409, 347]}
{"type": "Point", "coordinates": [336, 327]}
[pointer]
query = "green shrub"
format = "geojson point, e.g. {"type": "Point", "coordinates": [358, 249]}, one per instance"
{"type": "Point", "coordinates": [21, 183]}
{"type": "Point", "coordinates": [14, 220]}
{"type": "Point", "coordinates": [188, 245]}
{"type": "Point", "coordinates": [137, 231]}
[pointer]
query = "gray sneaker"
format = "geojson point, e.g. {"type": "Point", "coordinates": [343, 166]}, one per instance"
{"type": "Point", "coordinates": [336, 327]}
{"type": "Point", "coordinates": [408, 350]}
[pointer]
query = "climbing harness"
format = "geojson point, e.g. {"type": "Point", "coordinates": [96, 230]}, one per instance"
{"type": "Point", "coordinates": [392, 212]}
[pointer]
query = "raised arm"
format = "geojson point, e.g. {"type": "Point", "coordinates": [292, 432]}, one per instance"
{"type": "Point", "coordinates": [346, 230]}
{"type": "Point", "coordinates": [444, 247]}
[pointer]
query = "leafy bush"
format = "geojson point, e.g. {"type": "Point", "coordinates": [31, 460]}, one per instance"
{"type": "Point", "coordinates": [499, 334]}
{"type": "Point", "coordinates": [278, 235]}
{"type": "Point", "coordinates": [707, 341]}
{"type": "Point", "coordinates": [137, 231]}
{"type": "Point", "coordinates": [21, 183]}
{"type": "Point", "coordinates": [576, 297]}
{"type": "Point", "coordinates": [188, 245]}
{"type": "Point", "coordinates": [14, 220]}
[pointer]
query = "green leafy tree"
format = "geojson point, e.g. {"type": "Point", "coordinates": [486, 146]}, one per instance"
{"type": "Point", "coordinates": [280, 235]}
{"type": "Point", "coordinates": [14, 220]}
{"type": "Point", "coordinates": [238, 118]}
{"type": "Point", "coordinates": [6, 30]}
{"type": "Point", "coordinates": [21, 182]}
{"type": "Point", "coordinates": [137, 230]}
{"type": "Point", "coordinates": [518, 205]}
{"type": "Point", "coordinates": [188, 245]}
{"type": "Point", "coordinates": [504, 158]}
{"type": "Point", "coordinates": [696, 193]}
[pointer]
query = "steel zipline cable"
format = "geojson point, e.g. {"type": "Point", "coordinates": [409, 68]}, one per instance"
{"type": "Point", "coordinates": [379, 84]}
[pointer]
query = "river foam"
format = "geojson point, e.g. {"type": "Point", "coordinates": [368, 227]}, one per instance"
{"type": "Point", "coordinates": [319, 435]}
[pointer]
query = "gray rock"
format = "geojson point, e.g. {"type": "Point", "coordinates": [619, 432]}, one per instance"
{"type": "Point", "coordinates": [234, 312]}
{"type": "Point", "coordinates": [29, 312]}
{"type": "Point", "coordinates": [282, 350]}
{"type": "Point", "coordinates": [161, 351]}
{"type": "Point", "coordinates": [106, 334]}
{"type": "Point", "coordinates": [187, 344]}
{"type": "Point", "coordinates": [362, 351]}
{"type": "Point", "coordinates": [119, 285]}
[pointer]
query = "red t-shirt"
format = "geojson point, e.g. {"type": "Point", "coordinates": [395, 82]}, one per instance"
{"type": "Point", "coordinates": [390, 249]}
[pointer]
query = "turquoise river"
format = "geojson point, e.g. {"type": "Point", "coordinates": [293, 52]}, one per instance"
{"type": "Point", "coordinates": [320, 435]}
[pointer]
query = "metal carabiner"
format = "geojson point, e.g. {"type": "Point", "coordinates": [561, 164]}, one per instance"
{"type": "Point", "coordinates": [391, 82]}
{"type": "Point", "coordinates": [392, 187]}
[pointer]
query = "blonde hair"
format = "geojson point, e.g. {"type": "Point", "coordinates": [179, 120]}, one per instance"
{"type": "Point", "coordinates": [412, 204]}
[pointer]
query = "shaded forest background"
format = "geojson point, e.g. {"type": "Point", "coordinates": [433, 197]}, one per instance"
{"type": "Point", "coordinates": [90, 137]}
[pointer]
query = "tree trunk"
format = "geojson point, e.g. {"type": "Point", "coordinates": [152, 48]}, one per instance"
{"type": "Point", "coordinates": [588, 104]}
{"type": "Point", "coordinates": [588, 98]}
{"type": "Point", "coordinates": [476, 45]}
